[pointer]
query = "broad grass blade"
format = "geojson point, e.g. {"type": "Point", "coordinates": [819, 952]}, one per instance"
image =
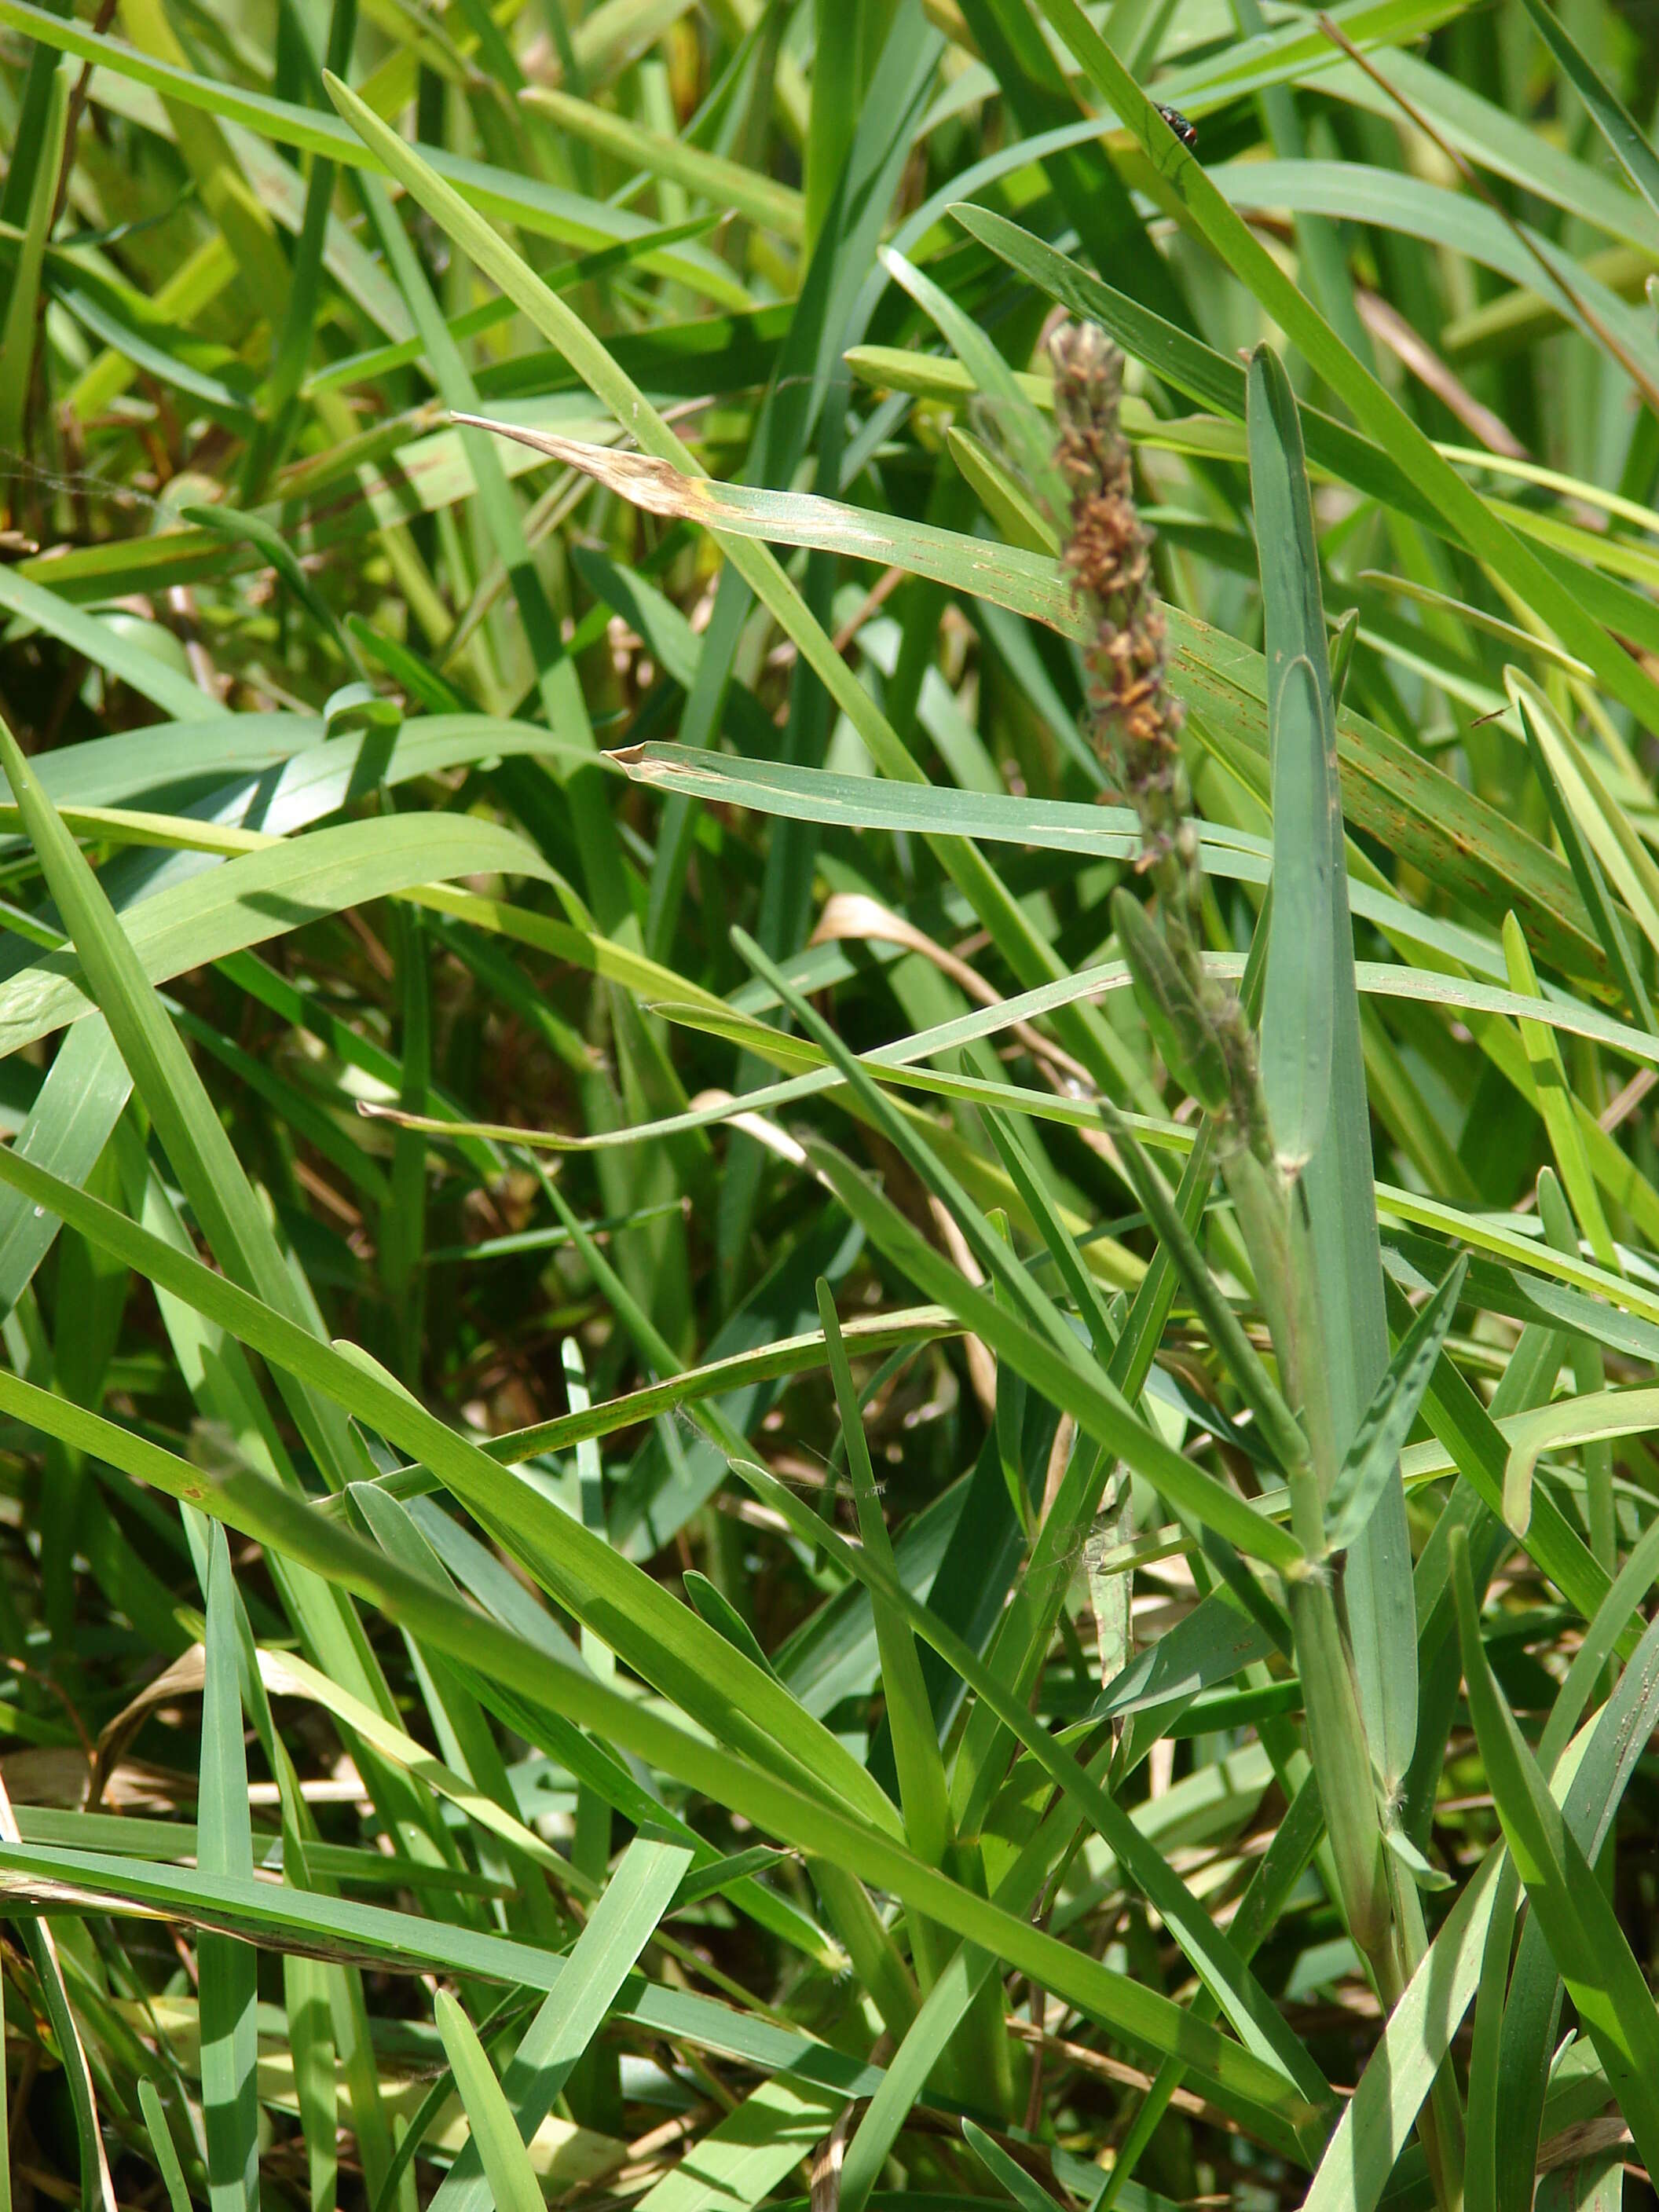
{"type": "Point", "coordinates": [741, 2161]}
{"type": "Point", "coordinates": [1377, 2120]}
{"type": "Point", "coordinates": [1342, 1245]}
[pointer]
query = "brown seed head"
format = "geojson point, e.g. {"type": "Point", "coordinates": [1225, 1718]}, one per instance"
{"type": "Point", "coordinates": [1108, 553]}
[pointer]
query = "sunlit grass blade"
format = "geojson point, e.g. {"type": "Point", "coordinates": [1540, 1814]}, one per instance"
{"type": "Point", "coordinates": [1267, 1894]}
{"type": "Point", "coordinates": [1523, 2037]}
{"type": "Point", "coordinates": [1017, 423]}
{"type": "Point", "coordinates": [723, 183]}
{"type": "Point", "coordinates": [1589, 1373]}
{"type": "Point", "coordinates": [1074, 1269]}
{"type": "Point", "coordinates": [485, 1100]}
{"type": "Point", "coordinates": [96, 2186]}
{"type": "Point", "coordinates": [510, 2177]}
{"type": "Point", "coordinates": [703, 1670]}
{"type": "Point", "coordinates": [152, 675]}
{"type": "Point", "coordinates": [1299, 1017]}
{"type": "Point", "coordinates": [1032, 956]}
{"type": "Point", "coordinates": [1279, 1423]}
{"type": "Point", "coordinates": [515, 199]}
{"type": "Point", "coordinates": [269, 1514]}
{"type": "Point", "coordinates": [237, 526]}
{"type": "Point", "coordinates": [1376, 2121]}
{"type": "Point", "coordinates": [1045, 1356]}
{"type": "Point", "coordinates": [1374, 410]}
{"type": "Point", "coordinates": [195, 1140]}
{"type": "Point", "coordinates": [1536, 715]}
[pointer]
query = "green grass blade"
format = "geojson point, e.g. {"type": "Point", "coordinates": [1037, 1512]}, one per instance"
{"type": "Point", "coordinates": [97, 2189]}
{"type": "Point", "coordinates": [166, 2152]}
{"type": "Point", "coordinates": [305, 1989]}
{"type": "Point", "coordinates": [510, 2177]}
{"type": "Point", "coordinates": [1234, 1347]}
{"type": "Point", "coordinates": [1341, 1245]}
{"type": "Point", "coordinates": [1028, 2193]}
{"type": "Point", "coordinates": [1018, 426]}
{"type": "Point", "coordinates": [261, 1510]}
{"type": "Point", "coordinates": [1376, 2122]}
{"type": "Point", "coordinates": [228, 1985]}
{"type": "Point", "coordinates": [1536, 715]}
{"type": "Point", "coordinates": [1590, 1947]}
{"type": "Point", "coordinates": [24, 303]}
{"type": "Point", "coordinates": [192, 1133]}
{"type": "Point", "coordinates": [1554, 1097]}
{"type": "Point", "coordinates": [637, 1895]}
{"type": "Point", "coordinates": [723, 183]}
{"type": "Point", "coordinates": [785, 1732]}
{"type": "Point", "coordinates": [660, 1636]}
{"type": "Point", "coordinates": [238, 527]}
{"type": "Point", "coordinates": [1074, 1269]}
{"type": "Point", "coordinates": [1612, 119]}
{"type": "Point", "coordinates": [922, 1790]}
{"type": "Point", "coordinates": [1373, 1458]}
{"type": "Point", "coordinates": [756, 565]}
{"type": "Point", "coordinates": [743, 2159]}
{"type": "Point", "coordinates": [1525, 2034]}
{"type": "Point", "coordinates": [1099, 1413]}
{"type": "Point", "coordinates": [536, 207]}
{"type": "Point", "coordinates": [1298, 1018]}
{"type": "Point", "coordinates": [151, 675]}
{"type": "Point", "coordinates": [66, 1130]}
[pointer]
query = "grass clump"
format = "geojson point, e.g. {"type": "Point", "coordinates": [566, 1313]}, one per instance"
{"type": "Point", "coordinates": [827, 1255]}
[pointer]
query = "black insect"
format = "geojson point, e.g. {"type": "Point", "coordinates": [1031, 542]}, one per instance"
{"type": "Point", "coordinates": [1186, 132]}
